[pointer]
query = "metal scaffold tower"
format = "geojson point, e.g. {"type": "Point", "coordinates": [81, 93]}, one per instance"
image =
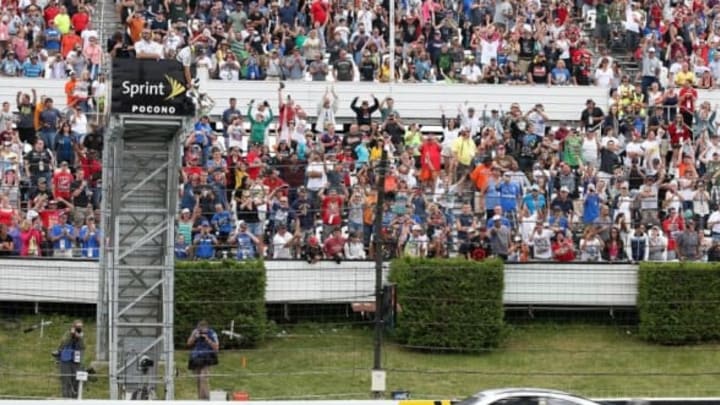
{"type": "Point", "coordinates": [135, 314]}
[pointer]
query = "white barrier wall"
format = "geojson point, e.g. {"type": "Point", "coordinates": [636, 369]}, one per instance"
{"type": "Point", "coordinates": [415, 100]}
{"type": "Point", "coordinates": [591, 284]}
{"type": "Point", "coordinates": [295, 282]}
{"type": "Point", "coordinates": [49, 281]}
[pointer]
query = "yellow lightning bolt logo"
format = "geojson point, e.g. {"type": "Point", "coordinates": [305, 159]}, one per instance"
{"type": "Point", "coordinates": [176, 88]}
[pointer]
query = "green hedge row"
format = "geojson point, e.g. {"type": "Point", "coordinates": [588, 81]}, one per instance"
{"type": "Point", "coordinates": [220, 292]}
{"type": "Point", "coordinates": [449, 304]}
{"type": "Point", "coordinates": [679, 302]}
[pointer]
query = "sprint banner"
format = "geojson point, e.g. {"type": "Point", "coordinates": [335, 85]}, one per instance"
{"type": "Point", "coordinates": [149, 87]}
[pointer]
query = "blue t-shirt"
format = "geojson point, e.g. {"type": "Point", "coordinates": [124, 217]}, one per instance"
{"type": "Point", "coordinates": [560, 75]}
{"type": "Point", "coordinates": [64, 148]}
{"type": "Point", "coordinates": [591, 210]}
{"type": "Point", "coordinates": [205, 246]}
{"type": "Point", "coordinates": [32, 69]}
{"type": "Point", "coordinates": [90, 247]}
{"type": "Point", "coordinates": [52, 39]}
{"type": "Point", "coordinates": [65, 241]}
{"type": "Point", "coordinates": [245, 247]}
{"type": "Point", "coordinates": [509, 193]}
{"type": "Point", "coordinates": [492, 195]}
{"type": "Point", "coordinates": [222, 222]}
{"type": "Point", "coordinates": [181, 250]}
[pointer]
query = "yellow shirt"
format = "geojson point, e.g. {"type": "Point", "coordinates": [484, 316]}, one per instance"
{"type": "Point", "coordinates": [464, 149]}
{"type": "Point", "coordinates": [62, 23]}
{"type": "Point", "coordinates": [681, 77]}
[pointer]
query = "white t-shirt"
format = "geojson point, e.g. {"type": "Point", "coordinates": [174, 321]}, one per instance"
{"type": "Point", "coordinates": [280, 251]}
{"type": "Point", "coordinates": [590, 250]}
{"type": "Point", "coordinates": [316, 183]}
{"type": "Point", "coordinates": [603, 78]}
{"type": "Point", "coordinates": [471, 73]}
{"type": "Point", "coordinates": [150, 47]}
{"type": "Point", "coordinates": [542, 245]}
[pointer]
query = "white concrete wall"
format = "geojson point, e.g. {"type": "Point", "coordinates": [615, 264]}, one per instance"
{"type": "Point", "coordinates": [569, 284]}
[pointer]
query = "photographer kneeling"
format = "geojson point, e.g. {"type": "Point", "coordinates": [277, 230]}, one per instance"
{"type": "Point", "coordinates": [69, 355]}
{"type": "Point", "coordinates": [204, 346]}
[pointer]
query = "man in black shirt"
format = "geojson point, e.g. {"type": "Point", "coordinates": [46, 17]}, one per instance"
{"type": "Point", "coordinates": [539, 71]}
{"type": "Point", "coordinates": [344, 68]}
{"type": "Point", "coordinates": [592, 115]}
{"type": "Point", "coordinates": [582, 73]}
{"type": "Point", "coordinates": [363, 113]}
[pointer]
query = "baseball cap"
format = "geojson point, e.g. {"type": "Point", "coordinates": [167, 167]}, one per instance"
{"type": "Point", "coordinates": [205, 223]}
{"type": "Point", "coordinates": [185, 210]}
{"type": "Point", "coordinates": [416, 228]}
{"type": "Point", "coordinates": [564, 189]}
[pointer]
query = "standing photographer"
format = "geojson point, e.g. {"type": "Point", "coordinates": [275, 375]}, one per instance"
{"type": "Point", "coordinates": [70, 356]}
{"type": "Point", "coordinates": [204, 346]}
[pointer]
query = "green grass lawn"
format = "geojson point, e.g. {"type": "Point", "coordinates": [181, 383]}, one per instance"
{"type": "Point", "coordinates": [318, 360]}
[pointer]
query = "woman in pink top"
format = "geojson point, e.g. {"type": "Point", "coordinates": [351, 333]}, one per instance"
{"type": "Point", "coordinates": [93, 53]}
{"type": "Point", "coordinates": [20, 45]}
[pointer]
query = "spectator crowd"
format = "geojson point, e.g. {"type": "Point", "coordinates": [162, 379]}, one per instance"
{"type": "Point", "coordinates": [50, 168]}
{"type": "Point", "coordinates": [471, 41]}
{"type": "Point", "coordinates": [50, 160]}
{"type": "Point", "coordinates": [497, 183]}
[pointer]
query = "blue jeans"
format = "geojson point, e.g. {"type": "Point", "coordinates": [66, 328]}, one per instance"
{"type": "Point", "coordinates": [48, 136]}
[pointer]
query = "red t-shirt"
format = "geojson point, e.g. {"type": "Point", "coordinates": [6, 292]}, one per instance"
{"type": "Point", "coordinates": [319, 12]}
{"type": "Point", "coordinates": [332, 210]}
{"type": "Point", "coordinates": [430, 155]}
{"type": "Point", "coordinates": [61, 185]}
{"type": "Point", "coordinates": [49, 218]}
{"type": "Point", "coordinates": [80, 21]}
{"type": "Point", "coordinates": [273, 183]}
{"type": "Point", "coordinates": [678, 133]}
{"type": "Point", "coordinates": [253, 172]}
{"type": "Point", "coordinates": [334, 245]}
{"type": "Point", "coordinates": [688, 104]}
{"type": "Point", "coordinates": [567, 256]}
{"type": "Point", "coordinates": [50, 13]}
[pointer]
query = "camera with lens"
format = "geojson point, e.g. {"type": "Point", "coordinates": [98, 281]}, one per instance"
{"type": "Point", "coordinates": [145, 363]}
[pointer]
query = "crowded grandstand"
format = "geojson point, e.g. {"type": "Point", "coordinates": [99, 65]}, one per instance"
{"type": "Point", "coordinates": [632, 180]}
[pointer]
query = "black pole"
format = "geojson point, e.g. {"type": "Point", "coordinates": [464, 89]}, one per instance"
{"type": "Point", "coordinates": [379, 248]}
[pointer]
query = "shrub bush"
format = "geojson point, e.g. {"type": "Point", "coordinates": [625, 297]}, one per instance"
{"type": "Point", "coordinates": [220, 292]}
{"type": "Point", "coordinates": [449, 304]}
{"type": "Point", "coordinates": [679, 302]}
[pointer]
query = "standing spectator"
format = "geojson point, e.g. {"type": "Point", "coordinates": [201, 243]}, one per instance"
{"type": "Point", "coordinates": [38, 162]}
{"type": "Point", "coordinates": [63, 236]}
{"type": "Point", "coordinates": [205, 242]}
{"type": "Point", "coordinates": [90, 239]}
{"type": "Point", "coordinates": [363, 113]}
{"type": "Point", "coordinates": [69, 355]}
{"type": "Point", "coordinates": [688, 243]}
{"type": "Point", "coordinates": [26, 114]}
{"type": "Point", "coordinates": [500, 240]}
{"type": "Point", "coordinates": [344, 67]}
{"type": "Point", "coordinates": [204, 345]}
{"type": "Point", "coordinates": [283, 241]}
{"type": "Point", "coordinates": [259, 124]}
{"type": "Point", "coordinates": [294, 65]}
{"type": "Point", "coordinates": [334, 246]}
{"type": "Point", "coordinates": [33, 68]}
{"type": "Point", "coordinates": [62, 181]}
{"type": "Point", "coordinates": [562, 248]}
{"type": "Point", "coordinates": [30, 238]}
{"type": "Point", "coordinates": [9, 66]}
